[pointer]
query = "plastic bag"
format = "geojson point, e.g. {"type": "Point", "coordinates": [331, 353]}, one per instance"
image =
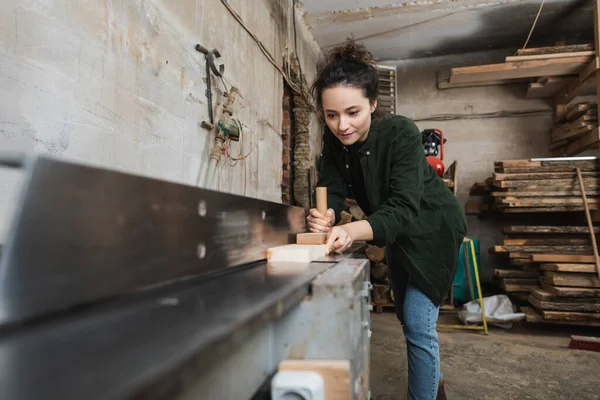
{"type": "Point", "coordinates": [499, 311]}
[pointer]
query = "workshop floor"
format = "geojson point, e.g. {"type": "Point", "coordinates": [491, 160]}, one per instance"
{"type": "Point", "coordinates": [526, 362]}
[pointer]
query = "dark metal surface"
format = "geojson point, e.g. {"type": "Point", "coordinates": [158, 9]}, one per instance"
{"type": "Point", "coordinates": [150, 348]}
{"type": "Point", "coordinates": [353, 252]}
{"type": "Point", "coordinates": [83, 234]}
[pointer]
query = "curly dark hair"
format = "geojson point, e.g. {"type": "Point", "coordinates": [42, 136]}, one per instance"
{"type": "Point", "coordinates": [350, 64]}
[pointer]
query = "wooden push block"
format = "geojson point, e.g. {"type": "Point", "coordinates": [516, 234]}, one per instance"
{"type": "Point", "coordinates": [311, 238]}
{"type": "Point", "coordinates": [335, 374]}
{"type": "Point", "coordinates": [304, 253]}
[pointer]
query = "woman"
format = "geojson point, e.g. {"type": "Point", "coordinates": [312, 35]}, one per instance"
{"type": "Point", "coordinates": [380, 162]}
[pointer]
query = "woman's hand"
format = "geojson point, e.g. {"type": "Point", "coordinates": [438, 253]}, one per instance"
{"type": "Point", "coordinates": [339, 240]}
{"type": "Point", "coordinates": [319, 223]}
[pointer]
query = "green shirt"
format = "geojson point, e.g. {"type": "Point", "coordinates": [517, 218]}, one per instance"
{"type": "Point", "coordinates": [413, 212]}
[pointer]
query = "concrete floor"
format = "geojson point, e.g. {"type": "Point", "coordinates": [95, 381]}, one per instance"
{"type": "Point", "coordinates": [525, 362]}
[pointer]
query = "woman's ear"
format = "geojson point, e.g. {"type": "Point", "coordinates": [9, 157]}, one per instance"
{"type": "Point", "coordinates": [373, 106]}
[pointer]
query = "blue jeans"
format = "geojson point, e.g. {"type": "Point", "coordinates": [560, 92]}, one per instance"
{"type": "Point", "coordinates": [419, 317]}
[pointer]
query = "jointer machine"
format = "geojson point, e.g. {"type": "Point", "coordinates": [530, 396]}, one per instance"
{"type": "Point", "coordinates": [115, 286]}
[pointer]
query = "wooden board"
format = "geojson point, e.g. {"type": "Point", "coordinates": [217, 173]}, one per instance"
{"type": "Point", "coordinates": [554, 193]}
{"type": "Point", "coordinates": [543, 249]}
{"type": "Point", "coordinates": [516, 273]}
{"type": "Point", "coordinates": [335, 374]}
{"type": "Point", "coordinates": [544, 295]}
{"type": "Point", "coordinates": [556, 49]}
{"type": "Point", "coordinates": [562, 258]}
{"type": "Point", "coordinates": [517, 70]}
{"type": "Point", "coordinates": [550, 56]}
{"type": "Point", "coordinates": [588, 141]}
{"type": "Point", "coordinates": [570, 229]}
{"type": "Point", "coordinates": [544, 185]}
{"type": "Point", "coordinates": [542, 175]}
{"type": "Point", "coordinates": [578, 110]}
{"type": "Point", "coordinates": [571, 279]}
{"type": "Point", "coordinates": [517, 288]}
{"type": "Point", "coordinates": [547, 209]}
{"type": "Point", "coordinates": [569, 291]}
{"type": "Point", "coordinates": [570, 316]}
{"type": "Point", "coordinates": [544, 202]}
{"type": "Point", "coordinates": [584, 268]}
{"type": "Point", "coordinates": [303, 253]}
{"type": "Point", "coordinates": [533, 317]}
{"type": "Point", "coordinates": [311, 238]}
{"type": "Point", "coordinates": [545, 242]}
{"type": "Point", "coordinates": [562, 306]}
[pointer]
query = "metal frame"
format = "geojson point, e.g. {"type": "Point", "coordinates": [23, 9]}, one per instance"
{"type": "Point", "coordinates": [108, 294]}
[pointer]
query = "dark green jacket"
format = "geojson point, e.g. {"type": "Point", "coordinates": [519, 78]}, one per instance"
{"type": "Point", "coordinates": [414, 213]}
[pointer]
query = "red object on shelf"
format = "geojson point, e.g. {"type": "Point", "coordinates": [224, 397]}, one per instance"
{"type": "Point", "coordinates": [437, 163]}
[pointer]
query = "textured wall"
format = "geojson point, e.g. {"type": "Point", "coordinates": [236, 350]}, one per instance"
{"type": "Point", "coordinates": [474, 143]}
{"type": "Point", "coordinates": [118, 84]}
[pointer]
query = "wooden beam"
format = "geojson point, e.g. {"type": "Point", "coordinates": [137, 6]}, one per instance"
{"type": "Point", "coordinates": [556, 49]}
{"type": "Point", "coordinates": [588, 53]}
{"type": "Point", "coordinates": [584, 268]}
{"type": "Point", "coordinates": [597, 43]}
{"type": "Point", "coordinates": [517, 70]}
{"type": "Point", "coordinates": [573, 279]}
{"type": "Point", "coordinates": [562, 258]}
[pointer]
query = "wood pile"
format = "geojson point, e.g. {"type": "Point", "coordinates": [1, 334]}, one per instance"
{"type": "Point", "coordinates": [554, 62]}
{"type": "Point", "coordinates": [577, 131]}
{"type": "Point", "coordinates": [569, 293]}
{"type": "Point", "coordinates": [550, 185]}
{"type": "Point", "coordinates": [552, 268]}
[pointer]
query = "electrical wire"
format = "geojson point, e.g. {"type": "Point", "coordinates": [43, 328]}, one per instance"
{"type": "Point", "coordinates": [296, 42]}
{"type": "Point", "coordinates": [533, 26]}
{"type": "Point", "coordinates": [261, 47]}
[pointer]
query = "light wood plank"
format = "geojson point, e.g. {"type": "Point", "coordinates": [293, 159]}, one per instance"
{"type": "Point", "coordinates": [568, 229]}
{"type": "Point", "coordinates": [311, 238]}
{"type": "Point", "coordinates": [542, 175]}
{"type": "Point", "coordinates": [589, 53]}
{"type": "Point", "coordinates": [584, 268]}
{"type": "Point", "coordinates": [335, 374]}
{"type": "Point", "coordinates": [556, 49]}
{"type": "Point", "coordinates": [570, 316]}
{"type": "Point", "coordinates": [562, 306]}
{"type": "Point", "coordinates": [302, 253]}
{"type": "Point", "coordinates": [533, 317]}
{"type": "Point", "coordinates": [572, 279]}
{"type": "Point", "coordinates": [562, 258]}
{"type": "Point", "coordinates": [516, 70]}
{"type": "Point", "coordinates": [563, 291]}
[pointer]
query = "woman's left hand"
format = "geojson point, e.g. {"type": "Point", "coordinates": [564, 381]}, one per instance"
{"type": "Point", "coordinates": [338, 240]}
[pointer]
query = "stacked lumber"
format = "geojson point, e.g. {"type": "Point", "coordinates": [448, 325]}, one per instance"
{"type": "Point", "coordinates": [550, 185]}
{"type": "Point", "coordinates": [556, 61]}
{"type": "Point", "coordinates": [569, 293]}
{"type": "Point", "coordinates": [548, 263]}
{"type": "Point", "coordinates": [577, 131]}
{"type": "Point", "coordinates": [381, 295]}
{"type": "Point", "coordinates": [479, 198]}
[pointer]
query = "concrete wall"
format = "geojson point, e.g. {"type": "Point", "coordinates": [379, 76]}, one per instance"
{"type": "Point", "coordinates": [118, 84]}
{"type": "Point", "coordinates": [474, 143]}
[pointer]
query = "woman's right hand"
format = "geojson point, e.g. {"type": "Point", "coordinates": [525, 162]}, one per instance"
{"type": "Point", "coordinates": [319, 223]}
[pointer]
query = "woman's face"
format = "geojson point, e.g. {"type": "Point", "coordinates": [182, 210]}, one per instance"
{"type": "Point", "coordinates": [347, 113]}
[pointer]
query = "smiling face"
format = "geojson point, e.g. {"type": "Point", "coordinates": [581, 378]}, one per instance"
{"type": "Point", "coordinates": [347, 113]}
